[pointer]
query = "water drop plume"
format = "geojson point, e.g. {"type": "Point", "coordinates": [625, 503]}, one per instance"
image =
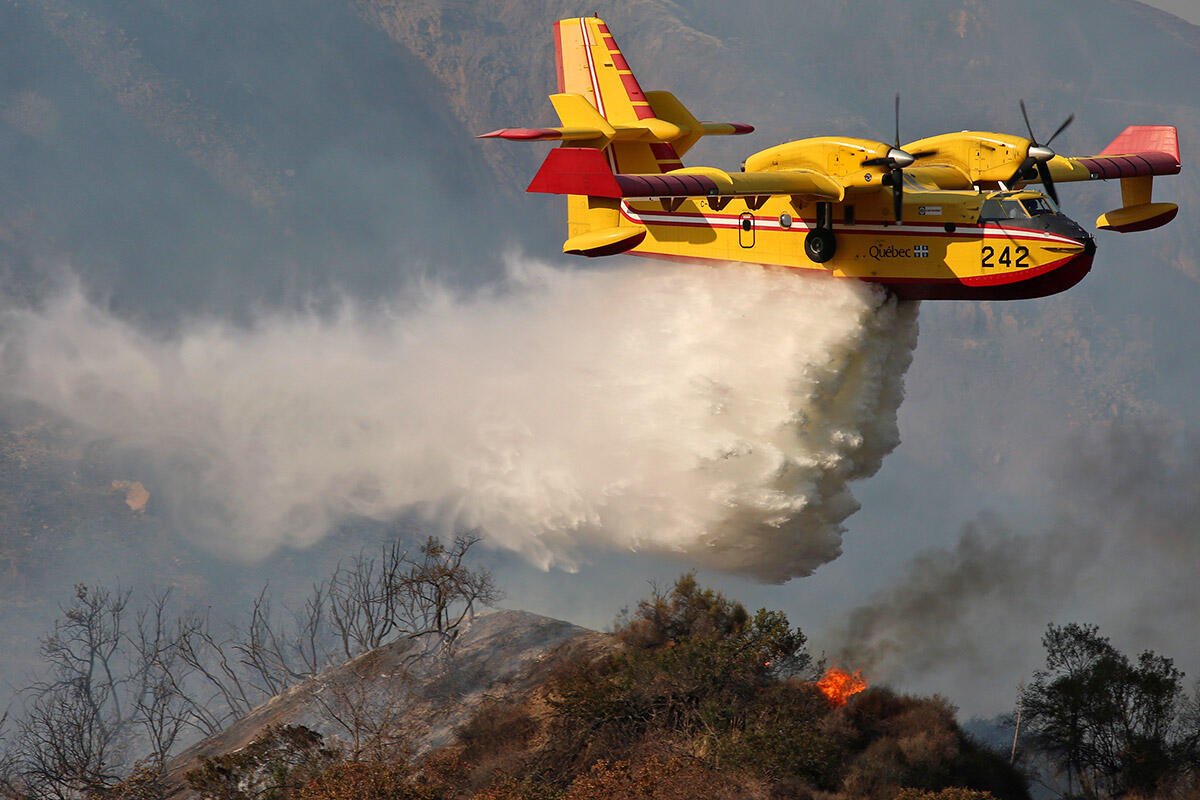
{"type": "Point", "coordinates": [716, 412]}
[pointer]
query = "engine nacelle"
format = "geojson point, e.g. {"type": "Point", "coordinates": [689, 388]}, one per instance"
{"type": "Point", "coordinates": [841, 158]}
{"type": "Point", "coordinates": [985, 158]}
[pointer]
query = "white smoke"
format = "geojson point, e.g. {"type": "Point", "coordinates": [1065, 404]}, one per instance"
{"type": "Point", "coordinates": [717, 412]}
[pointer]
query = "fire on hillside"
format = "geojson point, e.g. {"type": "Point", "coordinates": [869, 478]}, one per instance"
{"type": "Point", "coordinates": [838, 685]}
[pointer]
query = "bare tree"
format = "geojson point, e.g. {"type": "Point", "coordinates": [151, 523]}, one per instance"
{"type": "Point", "coordinates": [372, 719]}
{"type": "Point", "coordinates": [72, 736]}
{"type": "Point", "coordinates": [311, 644]}
{"type": "Point", "coordinates": [223, 693]}
{"type": "Point", "coordinates": [439, 592]}
{"type": "Point", "coordinates": [262, 649]}
{"type": "Point", "coordinates": [107, 689]}
{"type": "Point", "coordinates": [66, 748]}
{"type": "Point", "coordinates": [8, 772]}
{"type": "Point", "coordinates": [396, 596]}
{"type": "Point", "coordinates": [84, 651]}
{"type": "Point", "coordinates": [160, 709]}
{"type": "Point", "coordinates": [120, 679]}
{"type": "Point", "coordinates": [362, 599]}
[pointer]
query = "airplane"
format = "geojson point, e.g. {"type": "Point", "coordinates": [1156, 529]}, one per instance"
{"type": "Point", "coordinates": [947, 217]}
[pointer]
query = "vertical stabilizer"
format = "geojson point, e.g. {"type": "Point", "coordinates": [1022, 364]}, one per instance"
{"type": "Point", "coordinates": [590, 64]}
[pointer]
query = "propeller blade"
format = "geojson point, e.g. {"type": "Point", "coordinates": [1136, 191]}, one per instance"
{"type": "Point", "coordinates": [923, 154]}
{"type": "Point", "coordinates": [1026, 164]}
{"type": "Point", "coordinates": [898, 194]}
{"type": "Point", "coordinates": [877, 162]}
{"type": "Point", "coordinates": [897, 120]}
{"type": "Point", "coordinates": [1061, 128]}
{"type": "Point", "coordinates": [1028, 127]}
{"type": "Point", "coordinates": [1038, 157]}
{"type": "Point", "coordinates": [1048, 182]}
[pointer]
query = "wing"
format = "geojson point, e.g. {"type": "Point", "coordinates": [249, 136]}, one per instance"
{"type": "Point", "coordinates": [585, 171]}
{"type": "Point", "coordinates": [1140, 151]}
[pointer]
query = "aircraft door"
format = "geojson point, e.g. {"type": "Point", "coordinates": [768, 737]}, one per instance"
{"type": "Point", "coordinates": [746, 229]}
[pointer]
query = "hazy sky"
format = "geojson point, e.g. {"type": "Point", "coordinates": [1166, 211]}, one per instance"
{"type": "Point", "coordinates": [1187, 9]}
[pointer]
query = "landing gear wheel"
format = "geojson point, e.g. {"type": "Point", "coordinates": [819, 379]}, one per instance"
{"type": "Point", "coordinates": [820, 245]}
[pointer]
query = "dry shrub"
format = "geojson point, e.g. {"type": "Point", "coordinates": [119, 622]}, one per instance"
{"type": "Point", "coordinates": [495, 741]}
{"type": "Point", "coordinates": [952, 793]}
{"type": "Point", "coordinates": [927, 734]}
{"type": "Point", "coordinates": [914, 742]}
{"type": "Point", "coordinates": [523, 789]}
{"type": "Point", "coordinates": [929, 749]}
{"type": "Point", "coordinates": [143, 784]}
{"type": "Point", "coordinates": [784, 737]}
{"type": "Point", "coordinates": [877, 773]}
{"type": "Point", "coordinates": [676, 778]}
{"type": "Point", "coordinates": [356, 780]}
{"type": "Point", "coordinates": [497, 724]}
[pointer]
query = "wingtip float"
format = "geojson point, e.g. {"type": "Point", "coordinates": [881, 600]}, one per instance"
{"type": "Point", "coordinates": [947, 217]}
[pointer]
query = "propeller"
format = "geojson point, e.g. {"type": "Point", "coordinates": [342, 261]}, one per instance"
{"type": "Point", "coordinates": [1038, 155]}
{"type": "Point", "coordinates": [896, 160]}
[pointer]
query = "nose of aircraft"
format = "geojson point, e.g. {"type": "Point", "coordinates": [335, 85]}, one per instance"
{"type": "Point", "coordinates": [1062, 225]}
{"type": "Point", "coordinates": [1065, 226]}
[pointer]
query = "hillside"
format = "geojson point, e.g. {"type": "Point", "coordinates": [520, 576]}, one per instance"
{"type": "Point", "coordinates": [501, 655]}
{"type": "Point", "coordinates": [530, 707]}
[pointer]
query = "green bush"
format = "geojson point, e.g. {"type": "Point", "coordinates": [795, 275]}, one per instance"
{"type": "Point", "coordinates": [693, 662]}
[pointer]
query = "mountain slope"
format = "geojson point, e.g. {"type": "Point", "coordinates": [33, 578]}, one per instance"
{"type": "Point", "coordinates": [500, 654]}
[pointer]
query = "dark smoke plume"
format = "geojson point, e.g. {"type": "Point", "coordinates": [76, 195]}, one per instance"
{"type": "Point", "coordinates": [1119, 548]}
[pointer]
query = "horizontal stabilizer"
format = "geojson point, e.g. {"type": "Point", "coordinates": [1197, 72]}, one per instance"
{"type": "Point", "coordinates": [524, 134]}
{"type": "Point", "coordinates": [672, 124]}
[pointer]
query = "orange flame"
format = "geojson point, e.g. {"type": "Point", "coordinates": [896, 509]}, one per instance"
{"type": "Point", "coordinates": [838, 685]}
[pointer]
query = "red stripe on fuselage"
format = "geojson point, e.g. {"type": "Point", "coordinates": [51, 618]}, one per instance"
{"type": "Point", "coordinates": [961, 232]}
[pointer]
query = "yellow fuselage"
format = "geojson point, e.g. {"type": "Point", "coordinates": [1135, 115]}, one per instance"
{"type": "Point", "coordinates": [942, 250]}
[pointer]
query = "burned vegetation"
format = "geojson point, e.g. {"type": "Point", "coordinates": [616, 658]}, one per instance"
{"type": "Point", "coordinates": [692, 696]}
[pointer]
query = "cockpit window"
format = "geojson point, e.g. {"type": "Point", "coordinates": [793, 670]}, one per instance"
{"type": "Point", "coordinates": [991, 210]}
{"type": "Point", "coordinates": [1036, 206]}
{"type": "Point", "coordinates": [1002, 209]}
